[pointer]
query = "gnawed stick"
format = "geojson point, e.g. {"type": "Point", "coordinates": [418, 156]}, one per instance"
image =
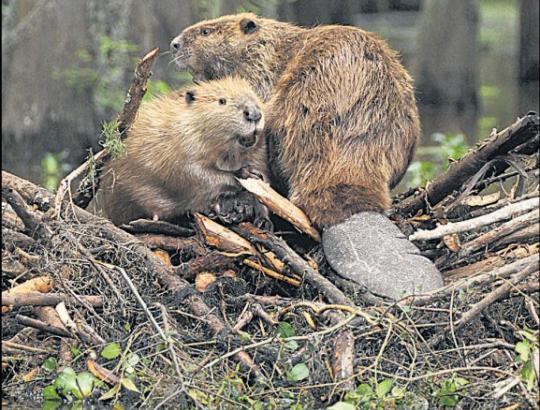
{"type": "Point", "coordinates": [145, 226]}
{"type": "Point", "coordinates": [47, 299]}
{"type": "Point", "coordinates": [222, 238]}
{"type": "Point", "coordinates": [501, 214]}
{"type": "Point", "coordinates": [125, 120]}
{"type": "Point", "coordinates": [280, 206]}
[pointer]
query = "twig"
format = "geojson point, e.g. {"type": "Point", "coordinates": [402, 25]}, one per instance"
{"type": "Point", "coordinates": [493, 296]}
{"type": "Point", "coordinates": [47, 299]}
{"type": "Point", "coordinates": [520, 132]}
{"type": "Point", "coordinates": [297, 264]}
{"type": "Point", "coordinates": [38, 324]}
{"type": "Point", "coordinates": [271, 273]}
{"type": "Point", "coordinates": [505, 213]}
{"type": "Point", "coordinates": [125, 120]}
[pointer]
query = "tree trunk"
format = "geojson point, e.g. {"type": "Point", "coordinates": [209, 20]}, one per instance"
{"type": "Point", "coordinates": [528, 40]}
{"type": "Point", "coordinates": [447, 58]}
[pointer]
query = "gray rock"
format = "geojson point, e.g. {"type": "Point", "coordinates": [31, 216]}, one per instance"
{"type": "Point", "coordinates": [370, 250]}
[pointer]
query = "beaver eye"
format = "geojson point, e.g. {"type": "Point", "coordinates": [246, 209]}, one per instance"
{"type": "Point", "coordinates": [222, 101]}
{"type": "Point", "coordinates": [205, 31]}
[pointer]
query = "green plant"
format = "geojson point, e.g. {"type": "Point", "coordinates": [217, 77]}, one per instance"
{"type": "Point", "coordinates": [449, 147]}
{"type": "Point", "coordinates": [113, 143]}
{"type": "Point", "coordinates": [447, 395]}
{"type": "Point", "coordinates": [377, 395]}
{"type": "Point", "coordinates": [53, 166]}
{"type": "Point", "coordinates": [72, 386]}
{"type": "Point", "coordinates": [526, 349]}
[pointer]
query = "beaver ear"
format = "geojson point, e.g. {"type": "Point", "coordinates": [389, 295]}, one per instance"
{"type": "Point", "coordinates": [248, 26]}
{"type": "Point", "coordinates": [190, 96]}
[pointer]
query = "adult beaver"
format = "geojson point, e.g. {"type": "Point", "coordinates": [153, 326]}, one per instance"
{"type": "Point", "coordinates": [183, 153]}
{"type": "Point", "coordinates": [342, 127]}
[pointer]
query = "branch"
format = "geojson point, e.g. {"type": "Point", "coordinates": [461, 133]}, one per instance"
{"type": "Point", "coordinates": [523, 130]}
{"type": "Point", "coordinates": [504, 213]}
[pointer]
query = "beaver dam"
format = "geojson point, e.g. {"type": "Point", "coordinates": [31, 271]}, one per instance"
{"type": "Point", "coordinates": [203, 315]}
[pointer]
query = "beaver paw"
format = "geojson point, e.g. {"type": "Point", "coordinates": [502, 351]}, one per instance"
{"type": "Point", "coordinates": [243, 207]}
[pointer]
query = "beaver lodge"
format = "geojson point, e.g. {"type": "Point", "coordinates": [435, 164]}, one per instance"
{"type": "Point", "coordinates": [203, 315]}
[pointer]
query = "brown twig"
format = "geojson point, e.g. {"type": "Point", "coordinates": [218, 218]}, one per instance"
{"type": "Point", "coordinates": [520, 132]}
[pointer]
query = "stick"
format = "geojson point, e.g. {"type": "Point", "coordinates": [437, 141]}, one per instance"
{"type": "Point", "coordinates": [31, 221]}
{"type": "Point", "coordinates": [495, 295]}
{"type": "Point", "coordinates": [38, 324]}
{"type": "Point", "coordinates": [280, 205]}
{"type": "Point", "coordinates": [125, 120]}
{"type": "Point", "coordinates": [297, 264]}
{"type": "Point", "coordinates": [158, 227]}
{"type": "Point", "coordinates": [504, 213]}
{"type": "Point", "coordinates": [516, 134]}
{"type": "Point", "coordinates": [47, 299]}
{"type": "Point", "coordinates": [271, 273]}
{"type": "Point", "coordinates": [499, 232]}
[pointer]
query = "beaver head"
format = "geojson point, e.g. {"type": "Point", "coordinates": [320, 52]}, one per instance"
{"type": "Point", "coordinates": [243, 44]}
{"type": "Point", "coordinates": [224, 121]}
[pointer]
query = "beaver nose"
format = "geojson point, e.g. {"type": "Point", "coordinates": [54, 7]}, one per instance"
{"type": "Point", "coordinates": [175, 45]}
{"type": "Point", "coordinates": [252, 113]}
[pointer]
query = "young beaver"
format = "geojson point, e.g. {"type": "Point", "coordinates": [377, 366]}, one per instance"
{"type": "Point", "coordinates": [183, 152]}
{"type": "Point", "coordinates": [342, 118]}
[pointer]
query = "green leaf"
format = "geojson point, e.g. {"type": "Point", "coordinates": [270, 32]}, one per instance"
{"type": "Point", "coordinates": [298, 373]}
{"type": "Point", "coordinates": [398, 392]}
{"type": "Point", "coordinates": [111, 351]}
{"type": "Point", "coordinates": [341, 405]}
{"type": "Point", "coordinates": [384, 387]}
{"type": "Point", "coordinates": [364, 390]}
{"type": "Point", "coordinates": [128, 384]}
{"type": "Point", "coordinates": [291, 345]}
{"type": "Point", "coordinates": [50, 364]}
{"type": "Point", "coordinates": [528, 375]}
{"type": "Point", "coordinates": [523, 348]}
{"type": "Point", "coordinates": [67, 383]}
{"type": "Point", "coordinates": [111, 393]}
{"type": "Point", "coordinates": [51, 405]}
{"type": "Point", "coordinates": [85, 381]}
{"type": "Point", "coordinates": [50, 393]}
{"type": "Point", "coordinates": [285, 330]}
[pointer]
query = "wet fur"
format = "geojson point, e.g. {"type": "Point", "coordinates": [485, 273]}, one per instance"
{"type": "Point", "coordinates": [341, 119]}
{"type": "Point", "coordinates": [182, 155]}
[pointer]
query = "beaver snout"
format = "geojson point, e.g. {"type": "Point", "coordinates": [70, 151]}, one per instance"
{"type": "Point", "coordinates": [247, 141]}
{"type": "Point", "coordinates": [252, 113]}
{"type": "Point", "coordinates": [176, 44]}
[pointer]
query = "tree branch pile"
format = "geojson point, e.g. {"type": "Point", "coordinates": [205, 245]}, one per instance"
{"type": "Point", "coordinates": [213, 316]}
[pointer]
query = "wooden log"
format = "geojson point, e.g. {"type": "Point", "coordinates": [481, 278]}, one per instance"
{"type": "Point", "coordinates": [42, 284]}
{"type": "Point", "coordinates": [523, 130]}
{"type": "Point", "coordinates": [222, 238]}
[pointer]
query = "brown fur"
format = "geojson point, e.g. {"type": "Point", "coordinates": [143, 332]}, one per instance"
{"type": "Point", "coordinates": [182, 154]}
{"type": "Point", "coordinates": [341, 119]}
